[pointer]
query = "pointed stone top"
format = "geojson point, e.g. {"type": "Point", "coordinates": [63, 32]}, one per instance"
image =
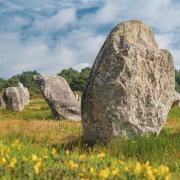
{"type": "Point", "coordinates": [133, 32]}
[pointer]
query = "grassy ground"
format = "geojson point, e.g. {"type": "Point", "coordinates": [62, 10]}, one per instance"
{"type": "Point", "coordinates": [45, 148]}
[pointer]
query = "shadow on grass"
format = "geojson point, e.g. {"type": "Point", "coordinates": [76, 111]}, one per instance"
{"type": "Point", "coordinates": [143, 146]}
{"type": "Point", "coordinates": [162, 149]}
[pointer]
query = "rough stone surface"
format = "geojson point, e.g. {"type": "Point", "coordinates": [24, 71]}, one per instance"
{"type": "Point", "coordinates": [2, 103]}
{"type": "Point", "coordinates": [176, 101]}
{"type": "Point", "coordinates": [25, 93]}
{"type": "Point", "coordinates": [16, 98]}
{"type": "Point", "coordinates": [59, 96]}
{"type": "Point", "coordinates": [131, 86]}
{"type": "Point", "coordinates": [78, 98]}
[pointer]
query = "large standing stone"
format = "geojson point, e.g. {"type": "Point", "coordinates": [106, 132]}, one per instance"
{"type": "Point", "coordinates": [16, 98]}
{"type": "Point", "coordinates": [59, 96]}
{"type": "Point", "coordinates": [131, 86]}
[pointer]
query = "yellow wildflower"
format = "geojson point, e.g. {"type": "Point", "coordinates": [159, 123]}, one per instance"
{"type": "Point", "coordinates": [73, 165]}
{"type": "Point", "coordinates": [104, 173]}
{"type": "Point", "coordinates": [115, 172]}
{"type": "Point", "coordinates": [46, 151]}
{"type": "Point", "coordinates": [163, 170]}
{"type": "Point", "coordinates": [81, 174]}
{"type": "Point", "coordinates": [53, 152]}
{"type": "Point", "coordinates": [67, 152]}
{"type": "Point", "coordinates": [126, 169]}
{"type": "Point", "coordinates": [17, 144]}
{"type": "Point", "coordinates": [37, 167]}
{"type": "Point", "coordinates": [45, 157]}
{"type": "Point", "coordinates": [92, 171]}
{"type": "Point", "coordinates": [82, 157]}
{"type": "Point", "coordinates": [137, 168]}
{"type": "Point", "coordinates": [150, 174]}
{"type": "Point", "coordinates": [12, 163]}
{"type": "Point", "coordinates": [168, 177]}
{"type": "Point", "coordinates": [101, 155]}
{"type": "Point", "coordinates": [34, 157]}
{"type": "Point", "coordinates": [121, 162]}
{"type": "Point", "coordinates": [92, 156]}
{"type": "Point", "coordinates": [24, 158]}
{"type": "Point", "coordinates": [83, 168]}
{"type": "Point", "coordinates": [3, 161]}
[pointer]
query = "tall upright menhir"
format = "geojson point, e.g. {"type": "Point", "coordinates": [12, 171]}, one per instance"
{"type": "Point", "coordinates": [131, 87]}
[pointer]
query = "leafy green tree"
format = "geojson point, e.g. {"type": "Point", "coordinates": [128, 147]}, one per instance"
{"type": "Point", "coordinates": [77, 80]}
{"type": "Point", "coordinates": [71, 76]}
{"type": "Point", "coordinates": [83, 79]}
{"type": "Point", "coordinates": [26, 78]}
{"type": "Point", "coordinates": [2, 83]}
{"type": "Point", "coordinates": [177, 77]}
{"type": "Point", "coordinates": [13, 81]}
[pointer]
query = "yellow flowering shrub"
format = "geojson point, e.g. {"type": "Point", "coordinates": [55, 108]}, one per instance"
{"type": "Point", "coordinates": [17, 161]}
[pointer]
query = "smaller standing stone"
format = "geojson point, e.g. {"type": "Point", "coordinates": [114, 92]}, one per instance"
{"type": "Point", "coordinates": [78, 98]}
{"type": "Point", "coordinates": [176, 99]}
{"type": "Point", "coordinates": [59, 96]}
{"type": "Point", "coordinates": [16, 98]}
{"type": "Point", "coordinates": [25, 93]}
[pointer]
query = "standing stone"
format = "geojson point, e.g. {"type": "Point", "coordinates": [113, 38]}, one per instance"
{"type": "Point", "coordinates": [16, 98]}
{"type": "Point", "coordinates": [131, 86]}
{"type": "Point", "coordinates": [176, 101]}
{"type": "Point", "coordinates": [59, 96]}
{"type": "Point", "coordinates": [78, 98]}
{"type": "Point", "coordinates": [25, 93]}
{"type": "Point", "coordinates": [2, 103]}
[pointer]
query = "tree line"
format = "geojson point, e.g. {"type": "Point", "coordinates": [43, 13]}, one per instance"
{"type": "Point", "coordinates": [178, 81]}
{"type": "Point", "coordinates": [77, 80]}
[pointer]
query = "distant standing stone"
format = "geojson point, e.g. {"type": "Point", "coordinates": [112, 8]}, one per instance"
{"type": "Point", "coordinates": [131, 86]}
{"type": "Point", "coordinates": [2, 103]}
{"type": "Point", "coordinates": [78, 98]}
{"type": "Point", "coordinates": [25, 93]}
{"type": "Point", "coordinates": [176, 101]}
{"type": "Point", "coordinates": [59, 96]}
{"type": "Point", "coordinates": [16, 98]}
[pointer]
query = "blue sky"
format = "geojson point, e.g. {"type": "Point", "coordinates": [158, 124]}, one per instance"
{"type": "Point", "coordinates": [49, 35]}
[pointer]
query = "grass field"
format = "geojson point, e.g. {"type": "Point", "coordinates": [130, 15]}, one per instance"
{"type": "Point", "coordinates": [34, 146]}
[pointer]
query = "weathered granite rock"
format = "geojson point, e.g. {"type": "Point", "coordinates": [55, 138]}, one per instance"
{"type": "Point", "coordinates": [131, 86]}
{"type": "Point", "coordinates": [176, 101]}
{"type": "Point", "coordinates": [59, 96]}
{"type": "Point", "coordinates": [2, 103]}
{"type": "Point", "coordinates": [16, 98]}
{"type": "Point", "coordinates": [78, 98]}
{"type": "Point", "coordinates": [25, 93]}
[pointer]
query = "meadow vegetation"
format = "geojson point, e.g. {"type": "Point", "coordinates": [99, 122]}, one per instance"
{"type": "Point", "coordinates": [34, 146]}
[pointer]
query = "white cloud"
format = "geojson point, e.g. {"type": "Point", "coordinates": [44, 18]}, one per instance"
{"type": "Point", "coordinates": [58, 21]}
{"type": "Point", "coordinates": [81, 66]}
{"type": "Point", "coordinates": [176, 55]}
{"type": "Point", "coordinates": [81, 38]}
{"type": "Point", "coordinates": [164, 40]}
{"type": "Point", "coordinates": [36, 55]}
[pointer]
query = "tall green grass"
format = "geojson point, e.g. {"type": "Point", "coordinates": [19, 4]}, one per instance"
{"type": "Point", "coordinates": [162, 149]}
{"type": "Point", "coordinates": [37, 109]}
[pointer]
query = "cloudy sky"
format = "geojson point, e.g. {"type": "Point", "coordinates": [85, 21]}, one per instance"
{"type": "Point", "coordinates": [49, 35]}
